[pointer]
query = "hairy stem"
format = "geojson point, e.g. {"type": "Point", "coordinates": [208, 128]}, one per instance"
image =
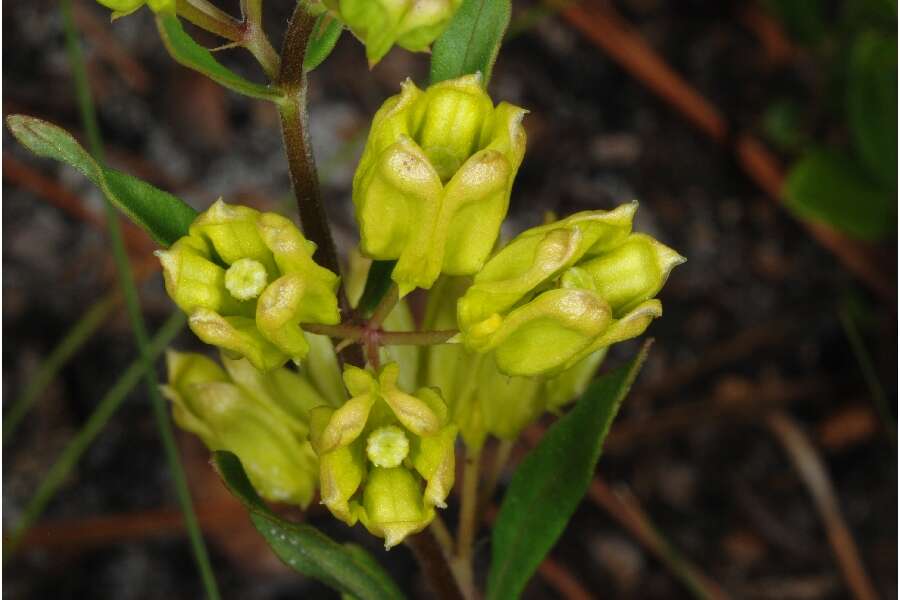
{"type": "Point", "coordinates": [301, 164]}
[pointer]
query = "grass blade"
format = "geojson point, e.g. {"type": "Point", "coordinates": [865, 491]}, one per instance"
{"type": "Point", "coordinates": [72, 453]}
{"type": "Point", "coordinates": [132, 304]}
{"type": "Point", "coordinates": [80, 333]}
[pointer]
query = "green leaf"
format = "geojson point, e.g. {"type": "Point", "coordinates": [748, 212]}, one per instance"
{"type": "Point", "coordinates": [872, 104]}
{"type": "Point", "coordinates": [829, 186]}
{"type": "Point", "coordinates": [378, 282]}
{"type": "Point", "coordinates": [550, 482]}
{"type": "Point", "coordinates": [326, 32]}
{"type": "Point", "coordinates": [305, 548]}
{"type": "Point", "coordinates": [192, 55]}
{"type": "Point", "coordinates": [165, 217]}
{"type": "Point", "coordinates": [472, 40]}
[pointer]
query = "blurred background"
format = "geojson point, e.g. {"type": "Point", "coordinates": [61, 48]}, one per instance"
{"type": "Point", "coordinates": [756, 456]}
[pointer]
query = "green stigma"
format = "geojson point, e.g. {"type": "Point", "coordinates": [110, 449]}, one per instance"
{"type": "Point", "coordinates": [387, 446]}
{"type": "Point", "coordinates": [246, 279]}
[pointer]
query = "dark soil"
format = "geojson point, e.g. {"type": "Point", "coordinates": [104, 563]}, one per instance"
{"type": "Point", "coordinates": [753, 317]}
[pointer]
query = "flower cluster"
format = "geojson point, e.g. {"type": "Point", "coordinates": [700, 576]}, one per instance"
{"type": "Point", "coordinates": [386, 457]}
{"type": "Point", "coordinates": [432, 187]}
{"type": "Point", "coordinates": [263, 418]}
{"type": "Point", "coordinates": [247, 280]}
{"type": "Point", "coordinates": [535, 318]}
{"type": "Point", "coordinates": [560, 292]}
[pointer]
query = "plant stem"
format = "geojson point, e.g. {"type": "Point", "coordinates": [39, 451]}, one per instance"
{"type": "Point", "coordinates": [301, 164]}
{"type": "Point", "coordinates": [294, 121]}
{"type": "Point", "coordinates": [255, 39]}
{"type": "Point", "coordinates": [442, 535]}
{"type": "Point", "coordinates": [416, 338]}
{"type": "Point", "coordinates": [384, 308]}
{"type": "Point", "coordinates": [504, 449]}
{"type": "Point", "coordinates": [434, 565]}
{"type": "Point", "coordinates": [206, 16]}
{"type": "Point", "coordinates": [468, 523]}
{"type": "Point", "coordinates": [356, 333]}
{"type": "Point", "coordinates": [132, 304]}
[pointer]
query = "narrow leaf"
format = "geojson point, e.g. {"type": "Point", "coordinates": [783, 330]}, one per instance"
{"type": "Point", "coordinates": [165, 217]}
{"type": "Point", "coordinates": [472, 40]}
{"type": "Point", "coordinates": [830, 187]}
{"type": "Point", "coordinates": [550, 482]}
{"type": "Point", "coordinates": [192, 55]}
{"type": "Point", "coordinates": [305, 548]}
{"type": "Point", "coordinates": [326, 32]}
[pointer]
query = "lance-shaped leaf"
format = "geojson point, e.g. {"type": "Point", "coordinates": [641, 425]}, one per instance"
{"type": "Point", "coordinates": [326, 32]}
{"type": "Point", "coordinates": [192, 55]}
{"type": "Point", "coordinates": [305, 548]}
{"type": "Point", "coordinates": [550, 482]}
{"type": "Point", "coordinates": [471, 42]}
{"type": "Point", "coordinates": [165, 217]}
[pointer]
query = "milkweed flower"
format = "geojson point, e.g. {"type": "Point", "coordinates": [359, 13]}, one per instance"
{"type": "Point", "coordinates": [247, 280]}
{"type": "Point", "coordinates": [562, 291]}
{"type": "Point", "coordinates": [433, 184]}
{"type": "Point", "coordinates": [386, 457]}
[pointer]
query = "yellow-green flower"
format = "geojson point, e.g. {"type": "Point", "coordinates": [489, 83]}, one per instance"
{"type": "Point", "coordinates": [386, 457]}
{"type": "Point", "coordinates": [560, 292]}
{"type": "Point", "coordinates": [432, 187]}
{"type": "Point", "coordinates": [482, 400]}
{"type": "Point", "coordinates": [122, 8]}
{"type": "Point", "coordinates": [263, 418]}
{"type": "Point", "coordinates": [247, 281]}
{"type": "Point", "coordinates": [379, 24]}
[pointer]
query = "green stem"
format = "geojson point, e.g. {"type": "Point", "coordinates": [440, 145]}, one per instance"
{"type": "Point", "coordinates": [468, 523]}
{"type": "Point", "coordinates": [105, 409]}
{"type": "Point", "coordinates": [416, 338]}
{"type": "Point", "coordinates": [210, 18]}
{"type": "Point", "coordinates": [80, 333]}
{"type": "Point", "coordinates": [132, 304]}
{"type": "Point", "coordinates": [255, 39]}
{"type": "Point", "coordinates": [358, 333]}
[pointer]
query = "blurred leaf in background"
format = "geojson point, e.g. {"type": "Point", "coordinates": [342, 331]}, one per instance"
{"type": "Point", "coordinates": [844, 174]}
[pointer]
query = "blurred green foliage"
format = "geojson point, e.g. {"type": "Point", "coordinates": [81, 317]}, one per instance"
{"type": "Point", "coordinates": [843, 134]}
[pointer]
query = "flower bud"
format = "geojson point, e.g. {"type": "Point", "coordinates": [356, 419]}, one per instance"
{"type": "Point", "coordinates": [386, 457]}
{"type": "Point", "coordinates": [433, 184]}
{"type": "Point", "coordinates": [379, 24]}
{"type": "Point", "coordinates": [481, 400]}
{"type": "Point", "coordinates": [261, 417]}
{"type": "Point", "coordinates": [560, 292]}
{"type": "Point", "coordinates": [247, 281]}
